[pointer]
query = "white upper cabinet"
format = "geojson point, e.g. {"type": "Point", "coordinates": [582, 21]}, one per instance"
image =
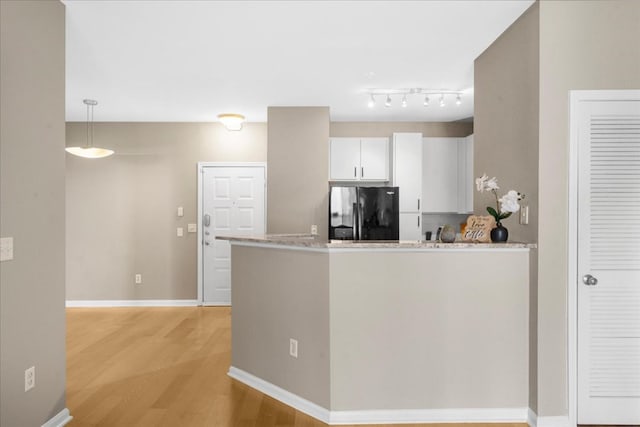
{"type": "Point", "coordinates": [407, 170]}
{"type": "Point", "coordinates": [466, 179]}
{"type": "Point", "coordinates": [374, 159]}
{"type": "Point", "coordinates": [447, 175]}
{"type": "Point", "coordinates": [359, 159]}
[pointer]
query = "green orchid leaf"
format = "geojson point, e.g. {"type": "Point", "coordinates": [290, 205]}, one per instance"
{"type": "Point", "coordinates": [492, 212]}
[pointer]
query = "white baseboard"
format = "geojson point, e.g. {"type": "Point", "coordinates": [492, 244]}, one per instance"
{"type": "Point", "coordinates": [59, 420]}
{"type": "Point", "coordinates": [412, 416]}
{"type": "Point", "coordinates": [532, 418]}
{"type": "Point", "coordinates": [561, 421]}
{"type": "Point", "coordinates": [133, 303]}
{"type": "Point", "coordinates": [288, 398]}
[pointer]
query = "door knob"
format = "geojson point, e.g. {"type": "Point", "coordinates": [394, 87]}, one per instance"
{"type": "Point", "coordinates": [589, 280]}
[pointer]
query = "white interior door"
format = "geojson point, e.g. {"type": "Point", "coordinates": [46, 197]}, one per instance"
{"type": "Point", "coordinates": [608, 389]}
{"type": "Point", "coordinates": [233, 205]}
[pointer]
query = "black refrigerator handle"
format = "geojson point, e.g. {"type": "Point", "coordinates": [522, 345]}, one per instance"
{"type": "Point", "coordinates": [357, 224]}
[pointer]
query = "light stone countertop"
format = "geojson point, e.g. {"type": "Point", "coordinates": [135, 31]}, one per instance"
{"type": "Point", "coordinates": [310, 241]}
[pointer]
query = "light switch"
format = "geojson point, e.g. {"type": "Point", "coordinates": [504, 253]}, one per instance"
{"type": "Point", "coordinates": [180, 211]}
{"type": "Point", "coordinates": [524, 214]}
{"type": "Point", "coordinates": [192, 228]}
{"type": "Point", "coordinates": [180, 231]}
{"type": "Point", "coordinates": [6, 248]}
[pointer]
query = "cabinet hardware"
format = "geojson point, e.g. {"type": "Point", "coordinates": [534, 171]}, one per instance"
{"type": "Point", "coordinates": [418, 220]}
{"type": "Point", "coordinates": [418, 204]}
{"type": "Point", "coordinates": [362, 172]}
{"type": "Point", "coordinates": [589, 280]}
{"type": "Point", "coordinates": [355, 171]}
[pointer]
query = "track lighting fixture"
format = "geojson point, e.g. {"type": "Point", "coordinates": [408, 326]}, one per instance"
{"type": "Point", "coordinates": [406, 93]}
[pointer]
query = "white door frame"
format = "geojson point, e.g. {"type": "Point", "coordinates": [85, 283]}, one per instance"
{"type": "Point", "coordinates": [201, 166]}
{"type": "Point", "coordinates": [575, 98]}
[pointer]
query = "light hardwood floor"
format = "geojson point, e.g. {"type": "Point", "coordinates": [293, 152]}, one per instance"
{"type": "Point", "coordinates": [165, 366]}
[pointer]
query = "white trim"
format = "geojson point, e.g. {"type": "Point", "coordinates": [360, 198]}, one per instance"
{"type": "Point", "coordinates": [394, 416]}
{"type": "Point", "coordinates": [561, 421]}
{"type": "Point", "coordinates": [419, 416]}
{"type": "Point", "coordinates": [575, 98]}
{"type": "Point", "coordinates": [201, 166]}
{"type": "Point", "coordinates": [133, 303]}
{"type": "Point", "coordinates": [280, 394]}
{"type": "Point", "coordinates": [59, 420]}
{"type": "Point", "coordinates": [532, 418]}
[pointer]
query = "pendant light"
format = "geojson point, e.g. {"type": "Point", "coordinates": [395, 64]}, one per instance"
{"type": "Point", "coordinates": [89, 151]}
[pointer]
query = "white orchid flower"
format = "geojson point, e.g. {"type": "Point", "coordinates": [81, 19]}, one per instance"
{"type": "Point", "coordinates": [509, 202]}
{"type": "Point", "coordinates": [492, 184]}
{"type": "Point", "coordinates": [480, 182]}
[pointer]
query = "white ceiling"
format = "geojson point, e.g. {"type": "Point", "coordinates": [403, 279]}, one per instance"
{"type": "Point", "coordinates": [191, 60]}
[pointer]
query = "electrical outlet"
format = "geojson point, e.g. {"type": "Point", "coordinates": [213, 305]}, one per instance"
{"type": "Point", "coordinates": [314, 230]}
{"type": "Point", "coordinates": [180, 231]}
{"type": "Point", "coordinates": [192, 228]}
{"type": "Point", "coordinates": [524, 214]}
{"type": "Point", "coordinates": [29, 378]}
{"type": "Point", "coordinates": [6, 248]}
{"type": "Point", "coordinates": [138, 279]}
{"type": "Point", "coordinates": [293, 348]}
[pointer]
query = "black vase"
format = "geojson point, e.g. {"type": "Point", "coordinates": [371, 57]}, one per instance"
{"type": "Point", "coordinates": [499, 234]}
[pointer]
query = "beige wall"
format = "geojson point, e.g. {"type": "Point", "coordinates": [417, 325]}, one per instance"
{"type": "Point", "coordinates": [506, 86]}
{"type": "Point", "coordinates": [384, 330]}
{"type": "Point", "coordinates": [121, 210]}
{"type": "Point", "coordinates": [32, 317]}
{"type": "Point", "coordinates": [278, 295]}
{"type": "Point", "coordinates": [386, 129]}
{"type": "Point", "coordinates": [298, 169]}
{"type": "Point", "coordinates": [583, 45]}
{"type": "Point", "coordinates": [416, 331]}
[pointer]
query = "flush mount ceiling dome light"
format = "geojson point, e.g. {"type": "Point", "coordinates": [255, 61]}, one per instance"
{"type": "Point", "coordinates": [231, 121]}
{"type": "Point", "coordinates": [405, 94]}
{"type": "Point", "coordinates": [89, 151]}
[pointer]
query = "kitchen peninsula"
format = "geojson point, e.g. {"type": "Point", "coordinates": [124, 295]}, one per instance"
{"type": "Point", "coordinates": [369, 332]}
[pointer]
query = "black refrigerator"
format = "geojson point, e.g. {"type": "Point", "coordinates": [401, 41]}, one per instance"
{"type": "Point", "coordinates": [363, 213]}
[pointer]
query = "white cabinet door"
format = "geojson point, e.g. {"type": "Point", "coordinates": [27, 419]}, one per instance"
{"type": "Point", "coordinates": [344, 159]}
{"type": "Point", "coordinates": [374, 159]}
{"type": "Point", "coordinates": [440, 174]}
{"type": "Point", "coordinates": [407, 170]}
{"type": "Point", "coordinates": [410, 227]}
{"type": "Point", "coordinates": [466, 181]}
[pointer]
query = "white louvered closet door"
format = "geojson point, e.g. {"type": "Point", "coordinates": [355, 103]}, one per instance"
{"type": "Point", "coordinates": [609, 254]}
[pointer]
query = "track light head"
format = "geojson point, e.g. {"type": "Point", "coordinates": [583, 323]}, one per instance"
{"type": "Point", "coordinates": [372, 102]}
{"type": "Point", "coordinates": [387, 103]}
{"type": "Point", "coordinates": [426, 101]}
{"type": "Point", "coordinates": [404, 101]}
{"type": "Point", "coordinates": [442, 100]}
{"type": "Point", "coordinates": [458, 100]}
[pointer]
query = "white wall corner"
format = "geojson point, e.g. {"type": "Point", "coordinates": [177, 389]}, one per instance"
{"type": "Point", "coordinates": [558, 421]}
{"type": "Point", "coordinates": [59, 420]}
